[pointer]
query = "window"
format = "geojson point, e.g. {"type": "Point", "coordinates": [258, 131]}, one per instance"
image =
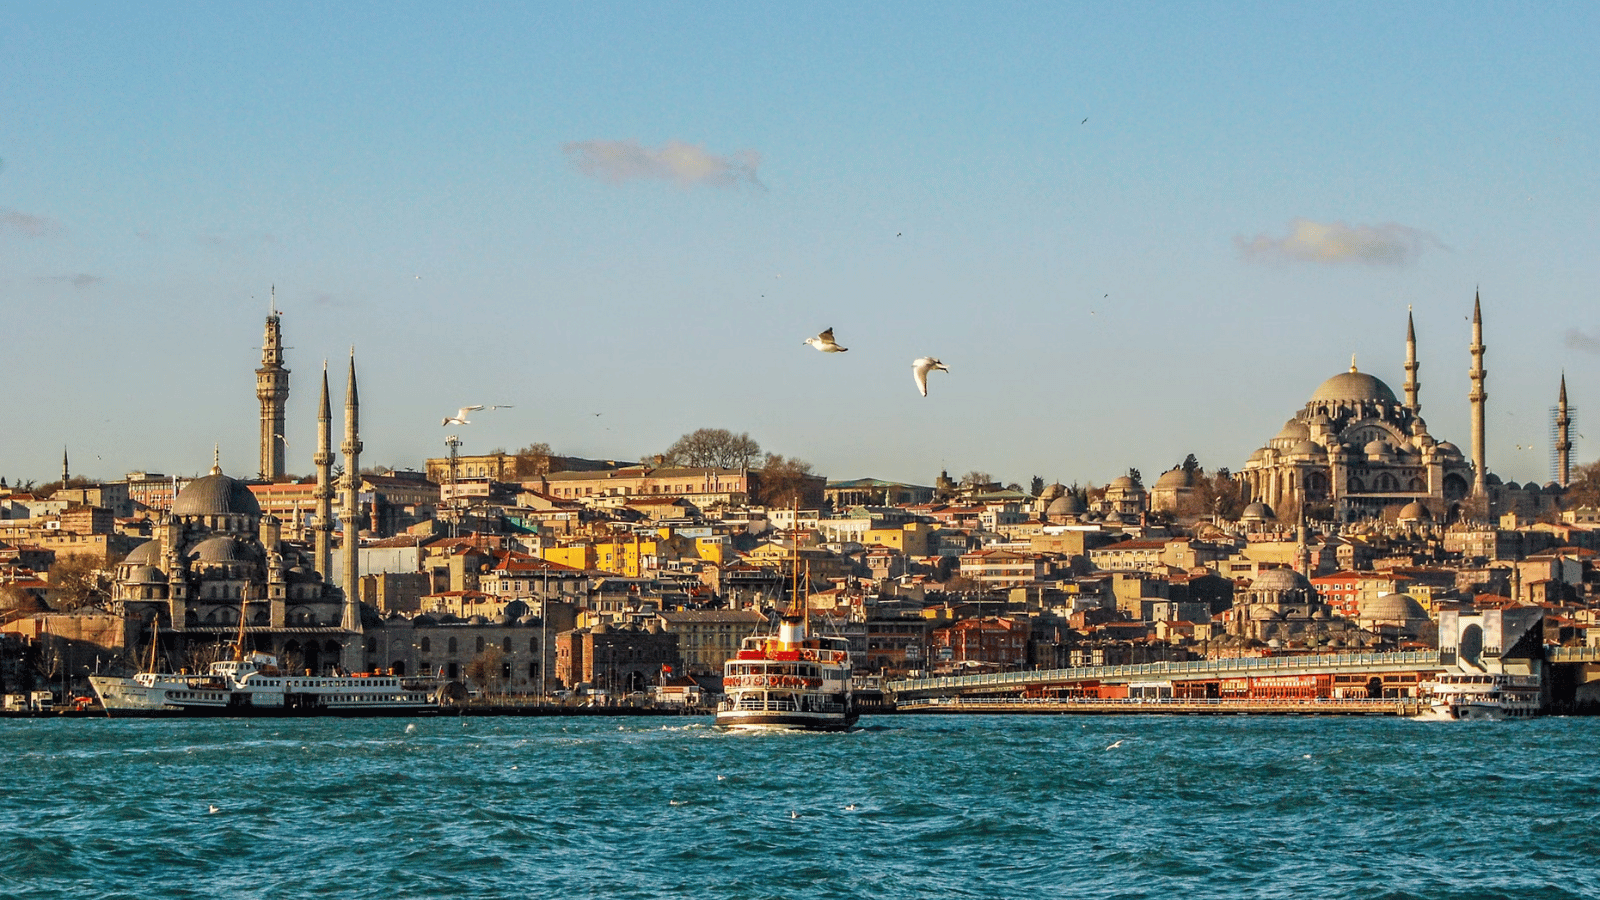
{"type": "Point", "coordinates": [480, 644]}
{"type": "Point", "coordinates": [506, 645]}
{"type": "Point", "coordinates": [425, 645]}
{"type": "Point", "coordinates": [452, 647]}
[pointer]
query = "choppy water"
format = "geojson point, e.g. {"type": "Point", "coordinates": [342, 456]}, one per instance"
{"type": "Point", "coordinates": [906, 807]}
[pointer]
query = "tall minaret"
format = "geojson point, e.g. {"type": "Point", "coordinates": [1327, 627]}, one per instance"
{"type": "Point", "coordinates": [66, 471]}
{"type": "Point", "coordinates": [350, 515]}
{"type": "Point", "coordinates": [1411, 366]}
{"type": "Point", "coordinates": [272, 389]}
{"type": "Point", "coordinates": [324, 495]}
{"type": "Point", "coordinates": [1480, 486]}
{"type": "Point", "coordinates": [1563, 437]}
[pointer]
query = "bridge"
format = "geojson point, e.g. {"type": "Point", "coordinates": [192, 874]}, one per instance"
{"type": "Point", "coordinates": [1043, 681]}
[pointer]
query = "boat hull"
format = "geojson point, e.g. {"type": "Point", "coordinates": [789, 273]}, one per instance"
{"type": "Point", "coordinates": [785, 721]}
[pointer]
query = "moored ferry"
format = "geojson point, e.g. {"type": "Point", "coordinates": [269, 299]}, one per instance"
{"type": "Point", "coordinates": [1464, 696]}
{"type": "Point", "coordinates": [789, 680]}
{"type": "Point", "coordinates": [252, 684]}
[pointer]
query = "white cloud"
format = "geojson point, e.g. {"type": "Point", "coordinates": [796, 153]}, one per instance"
{"type": "Point", "coordinates": [1388, 244]}
{"type": "Point", "coordinates": [30, 225]}
{"type": "Point", "coordinates": [685, 164]}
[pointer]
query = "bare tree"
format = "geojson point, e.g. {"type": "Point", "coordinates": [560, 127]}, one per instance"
{"type": "Point", "coordinates": [1584, 488]}
{"type": "Point", "coordinates": [487, 667]}
{"type": "Point", "coordinates": [717, 447]}
{"type": "Point", "coordinates": [976, 479]}
{"type": "Point", "coordinates": [532, 460]}
{"type": "Point", "coordinates": [75, 580]}
{"type": "Point", "coordinates": [783, 480]}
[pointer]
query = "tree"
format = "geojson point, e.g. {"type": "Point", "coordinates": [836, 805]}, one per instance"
{"type": "Point", "coordinates": [713, 447]}
{"type": "Point", "coordinates": [783, 480]}
{"type": "Point", "coordinates": [976, 479]}
{"type": "Point", "coordinates": [75, 581]}
{"type": "Point", "coordinates": [1134, 474]}
{"type": "Point", "coordinates": [532, 460]}
{"type": "Point", "coordinates": [487, 667]}
{"type": "Point", "coordinates": [16, 598]}
{"type": "Point", "coordinates": [1190, 464]}
{"type": "Point", "coordinates": [1036, 486]}
{"type": "Point", "coordinates": [1584, 488]}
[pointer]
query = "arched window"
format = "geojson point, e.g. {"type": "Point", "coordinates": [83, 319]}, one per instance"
{"type": "Point", "coordinates": [425, 645]}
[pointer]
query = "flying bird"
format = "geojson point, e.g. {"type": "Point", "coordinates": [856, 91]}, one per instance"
{"type": "Point", "coordinates": [921, 368]}
{"type": "Point", "coordinates": [1115, 745]}
{"type": "Point", "coordinates": [460, 418]}
{"type": "Point", "coordinates": [826, 343]}
{"type": "Point", "coordinates": [1085, 121]}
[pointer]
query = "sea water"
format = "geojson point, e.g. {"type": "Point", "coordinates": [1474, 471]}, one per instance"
{"type": "Point", "coordinates": [903, 807]}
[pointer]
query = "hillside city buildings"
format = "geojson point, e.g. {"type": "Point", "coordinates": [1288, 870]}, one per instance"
{"type": "Point", "coordinates": [1354, 527]}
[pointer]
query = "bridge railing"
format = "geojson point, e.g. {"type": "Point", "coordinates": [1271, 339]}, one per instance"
{"type": "Point", "coordinates": [1149, 703]}
{"type": "Point", "coordinates": [1572, 654]}
{"type": "Point", "coordinates": [1161, 670]}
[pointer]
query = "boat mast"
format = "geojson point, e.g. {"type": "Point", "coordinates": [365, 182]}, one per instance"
{"type": "Point", "coordinates": [244, 600]}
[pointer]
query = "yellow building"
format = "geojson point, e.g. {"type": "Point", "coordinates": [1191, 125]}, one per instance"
{"type": "Point", "coordinates": [912, 539]}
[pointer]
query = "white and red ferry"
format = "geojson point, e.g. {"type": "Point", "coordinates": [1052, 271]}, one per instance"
{"type": "Point", "coordinates": [789, 680]}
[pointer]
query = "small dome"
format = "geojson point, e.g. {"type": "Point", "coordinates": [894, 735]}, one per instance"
{"type": "Point", "coordinates": [1257, 510]}
{"type": "Point", "coordinates": [1378, 448]}
{"type": "Point", "coordinates": [1052, 491]}
{"type": "Point", "coordinates": [1550, 487]}
{"type": "Point", "coordinates": [1064, 505]}
{"type": "Point", "coordinates": [1492, 478]}
{"type": "Point", "coordinates": [1280, 580]}
{"type": "Point", "coordinates": [1308, 448]}
{"type": "Point", "coordinates": [528, 620]}
{"type": "Point", "coordinates": [224, 550]}
{"type": "Point", "coordinates": [1353, 387]}
{"type": "Point", "coordinates": [1175, 479]}
{"type": "Point", "coordinates": [1393, 608]}
{"type": "Point", "coordinates": [1445, 448]}
{"type": "Point", "coordinates": [1262, 614]}
{"type": "Point", "coordinates": [1122, 482]}
{"type": "Point", "coordinates": [146, 554]}
{"type": "Point", "coordinates": [215, 495]}
{"type": "Point", "coordinates": [1415, 511]}
{"type": "Point", "coordinates": [1259, 455]}
{"type": "Point", "coordinates": [146, 575]}
{"type": "Point", "coordinates": [1293, 430]}
{"type": "Point", "coordinates": [422, 620]}
{"type": "Point", "coordinates": [1531, 488]}
{"type": "Point", "coordinates": [1113, 518]}
{"type": "Point", "coordinates": [478, 620]}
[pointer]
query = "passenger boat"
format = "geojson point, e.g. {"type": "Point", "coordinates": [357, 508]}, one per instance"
{"type": "Point", "coordinates": [253, 684]}
{"type": "Point", "coordinates": [1463, 696]}
{"type": "Point", "coordinates": [790, 679]}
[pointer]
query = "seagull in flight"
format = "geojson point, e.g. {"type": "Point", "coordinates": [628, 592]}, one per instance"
{"type": "Point", "coordinates": [826, 343]}
{"type": "Point", "coordinates": [921, 368]}
{"type": "Point", "coordinates": [460, 418]}
{"type": "Point", "coordinates": [1115, 745]}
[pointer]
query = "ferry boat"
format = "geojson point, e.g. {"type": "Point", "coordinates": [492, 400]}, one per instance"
{"type": "Point", "coordinates": [790, 679]}
{"type": "Point", "coordinates": [1464, 696]}
{"type": "Point", "coordinates": [252, 684]}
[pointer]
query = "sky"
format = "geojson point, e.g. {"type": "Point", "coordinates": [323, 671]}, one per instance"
{"type": "Point", "coordinates": [1131, 231]}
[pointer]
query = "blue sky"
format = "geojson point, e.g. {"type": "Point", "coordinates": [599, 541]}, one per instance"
{"type": "Point", "coordinates": [640, 211]}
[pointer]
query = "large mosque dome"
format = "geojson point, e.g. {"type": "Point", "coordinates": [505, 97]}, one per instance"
{"type": "Point", "coordinates": [1353, 387]}
{"type": "Point", "coordinates": [215, 495]}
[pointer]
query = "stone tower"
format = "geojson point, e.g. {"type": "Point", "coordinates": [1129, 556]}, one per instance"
{"type": "Point", "coordinates": [1563, 436]}
{"type": "Point", "coordinates": [324, 495]}
{"type": "Point", "coordinates": [350, 515]}
{"type": "Point", "coordinates": [272, 389]}
{"type": "Point", "coordinates": [1480, 484]}
{"type": "Point", "coordinates": [1411, 367]}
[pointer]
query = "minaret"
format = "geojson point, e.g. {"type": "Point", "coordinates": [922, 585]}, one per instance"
{"type": "Point", "coordinates": [272, 389]}
{"type": "Point", "coordinates": [66, 473]}
{"type": "Point", "coordinates": [350, 515]}
{"type": "Point", "coordinates": [323, 523]}
{"type": "Point", "coordinates": [1563, 437]}
{"type": "Point", "coordinates": [1411, 366]}
{"type": "Point", "coordinates": [1480, 485]}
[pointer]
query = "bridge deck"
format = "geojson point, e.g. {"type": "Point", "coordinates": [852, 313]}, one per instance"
{"type": "Point", "coordinates": [1164, 706]}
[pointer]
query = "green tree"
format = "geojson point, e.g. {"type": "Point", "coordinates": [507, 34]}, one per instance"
{"type": "Point", "coordinates": [1035, 486]}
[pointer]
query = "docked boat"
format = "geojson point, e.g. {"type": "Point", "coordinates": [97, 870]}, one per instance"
{"type": "Point", "coordinates": [1454, 696]}
{"type": "Point", "coordinates": [253, 684]}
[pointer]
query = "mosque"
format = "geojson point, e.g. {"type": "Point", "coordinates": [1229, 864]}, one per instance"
{"type": "Point", "coordinates": [1357, 450]}
{"type": "Point", "coordinates": [217, 568]}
